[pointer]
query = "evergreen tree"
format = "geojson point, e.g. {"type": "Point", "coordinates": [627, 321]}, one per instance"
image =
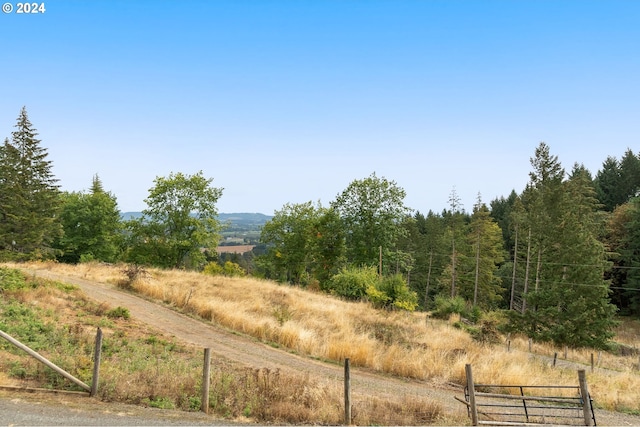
{"type": "Point", "coordinates": [484, 238]}
{"type": "Point", "coordinates": [29, 193]}
{"type": "Point", "coordinates": [629, 176]}
{"type": "Point", "coordinates": [607, 184]}
{"type": "Point", "coordinates": [456, 229]}
{"type": "Point", "coordinates": [629, 248]}
{"type": "Point", "coordinates": [618, 182]}
{"type": "Point", "coordinates": [616, 242]}
{"type": "Point", "coordinates": [568, 302]}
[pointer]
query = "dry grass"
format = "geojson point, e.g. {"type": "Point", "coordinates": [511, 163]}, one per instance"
{"type": "Point", "coordinates": [141, 366]}
{"type": "Point", "coordinates": [399, 343]}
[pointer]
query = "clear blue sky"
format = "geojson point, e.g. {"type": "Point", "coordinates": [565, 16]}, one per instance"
{"type": "Point", "coordinates": [290, 101]}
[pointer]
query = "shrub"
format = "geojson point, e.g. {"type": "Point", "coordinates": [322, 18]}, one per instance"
{"type": "Point", "coordinates": [12, 280]}
{"type": "Point", "coordinates": [212, 269]}
{"type": "Point", "coordinates": [119, 312]}
{"type": "Point", "coordinates": [468, 312]}
{"type": "Point", "coordinates": [229, 269]}
{"type": "Point", "coordinates": [392, 292]}
{"type": "Point", "coordinates": [352, 282]}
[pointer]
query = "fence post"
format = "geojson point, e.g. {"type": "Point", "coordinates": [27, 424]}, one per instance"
{"type": "Point", "coordinates": [472, 395]}
{"type": "Point", "coordinates": [96, 364]}
{"type": "Point", "coordinates": [206, 380]}
{"type": "Point", "coordinates": [347, 392]}
{"type": "Point", "coordinates": [586, 400]}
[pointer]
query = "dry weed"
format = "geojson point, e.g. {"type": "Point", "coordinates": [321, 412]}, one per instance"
{"type": "Point", "coordinates": [406, 344]}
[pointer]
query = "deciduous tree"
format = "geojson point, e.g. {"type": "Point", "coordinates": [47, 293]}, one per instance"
{"type": "Point", "coordinates": [92, 225]}
{"type": "Point", "coordinates": [178, 224]}
{"type": "Point", "coordinates": [372, 210]}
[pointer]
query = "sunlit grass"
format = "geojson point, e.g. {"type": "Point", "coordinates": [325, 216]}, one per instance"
{"type": "Point", "coordinates": [399, 343]}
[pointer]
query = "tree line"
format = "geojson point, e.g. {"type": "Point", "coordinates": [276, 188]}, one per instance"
{"type": "Point", "coordinates": [558, 260]}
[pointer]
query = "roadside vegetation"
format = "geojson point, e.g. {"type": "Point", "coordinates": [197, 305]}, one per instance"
{"type": "Point", "coordinates": [141, 366]}
{"type": "Point", "coordinates": [401, 343]}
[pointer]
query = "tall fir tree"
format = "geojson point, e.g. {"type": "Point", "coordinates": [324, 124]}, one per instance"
{"type": "Point", "coordinates": [629, 249]}
{"type": "Point", "coordinates": [29, 193]}
{"type": "Point", "coordinates": [484, 286]}
{"type": "Point", "coordinates": [567, 299]}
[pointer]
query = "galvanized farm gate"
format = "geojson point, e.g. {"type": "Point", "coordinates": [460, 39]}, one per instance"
{"type": "Point", "coordinates": [510, 405]}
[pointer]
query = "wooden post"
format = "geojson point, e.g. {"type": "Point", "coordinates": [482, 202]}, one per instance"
{"type": "Point", "coordinates": [472, 395]}
{"type": "Point", "coordinates": [96, 363]}
{"type": "Point", "coordinates": [508, 346]}
{"type": "Point", "coordinates": [555, 358]}
{"type": "Point", "coordinates": [206, 380]}
{"type": "Point", "coordinates": [592, 364]}
{"type": "Point", "coordinates": [530, 345]}
{"type": "Point", "coordinates": [565, 352]}
{"type": "Point", "coordinates": [586, 400]}
{"type": "Point", "coordinates": [347, 392]}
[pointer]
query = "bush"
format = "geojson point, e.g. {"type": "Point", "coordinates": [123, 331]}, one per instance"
{"type": "Point", "coordinates": [446, 306]}
{"type": "Point", "coordinates": [230, 269]}
{"type": "Point", "coordinates": [392, 292]}
{"type": "Point", "coordinates": [352, 282]}
{"type": "Point", "coordinates": [12, 280]}
{"type": "Point", "coordinates": [118, 313]}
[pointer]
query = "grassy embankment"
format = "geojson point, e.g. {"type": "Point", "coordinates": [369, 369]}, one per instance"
{"type": "Point", "coordinates": [399, 343]}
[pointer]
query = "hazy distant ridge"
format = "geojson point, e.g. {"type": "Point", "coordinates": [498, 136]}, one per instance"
{"type": "Point", "coordinates": [241, 218]}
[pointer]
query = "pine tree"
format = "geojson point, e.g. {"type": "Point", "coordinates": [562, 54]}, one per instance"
{"type": "Point", "coordinates": [29, 194]}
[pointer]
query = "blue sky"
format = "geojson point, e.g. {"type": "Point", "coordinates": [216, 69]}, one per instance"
{"type": "Point", "coordinates": [290, 101]}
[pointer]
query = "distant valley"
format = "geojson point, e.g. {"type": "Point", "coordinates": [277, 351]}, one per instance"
{"type": "Point", "coordinates": [238, 228]}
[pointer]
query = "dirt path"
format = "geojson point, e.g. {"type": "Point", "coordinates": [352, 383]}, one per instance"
{"type": "Point", "coordinates": [249, 352]}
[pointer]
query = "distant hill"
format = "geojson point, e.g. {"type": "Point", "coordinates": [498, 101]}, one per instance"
{"type": "Point", "coordinates": [232, 220]}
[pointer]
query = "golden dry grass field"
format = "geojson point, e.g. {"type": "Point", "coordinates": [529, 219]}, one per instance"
{"type": "Point", "coordinates": [393, 342]}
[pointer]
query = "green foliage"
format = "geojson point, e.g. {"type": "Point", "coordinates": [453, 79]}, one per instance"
{"type": "Point", "coordinates": [352, 282]}
{"type": "Point", "coordinates": [618, 181]}
{"type": "Point", "coordinates": [181, 220]}
{"type": "Point", "coordinates": [565, 296]}
{"type": "Point", "coordinates": [29, 195]}
{"type": "Point", "coordinates": [393, 292]}
{"type": "Point", "coordinates": [119, 313]}
{"type": "Point", "coordinates": [229, 269]}
{"type": "Point", "coordinates": [372, 211]}
{"type": "Point", "coordinates": [480, 257]}
{"type": "Point", "coordinates": [12, 280]}
{"type": "Point", "coordinates": [92, 226]}
{"type": "Point", "coordinates": [305, 244]}
{"type": "Point", "coordinates": [212, 269]}
{"type": "Point", "coordinates": [390, 292]}
{"type": "Point", "coordinates": [446, 306]}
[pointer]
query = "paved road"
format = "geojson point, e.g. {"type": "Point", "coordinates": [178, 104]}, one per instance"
{"type": "Point", "coordinates": [45, 409]}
